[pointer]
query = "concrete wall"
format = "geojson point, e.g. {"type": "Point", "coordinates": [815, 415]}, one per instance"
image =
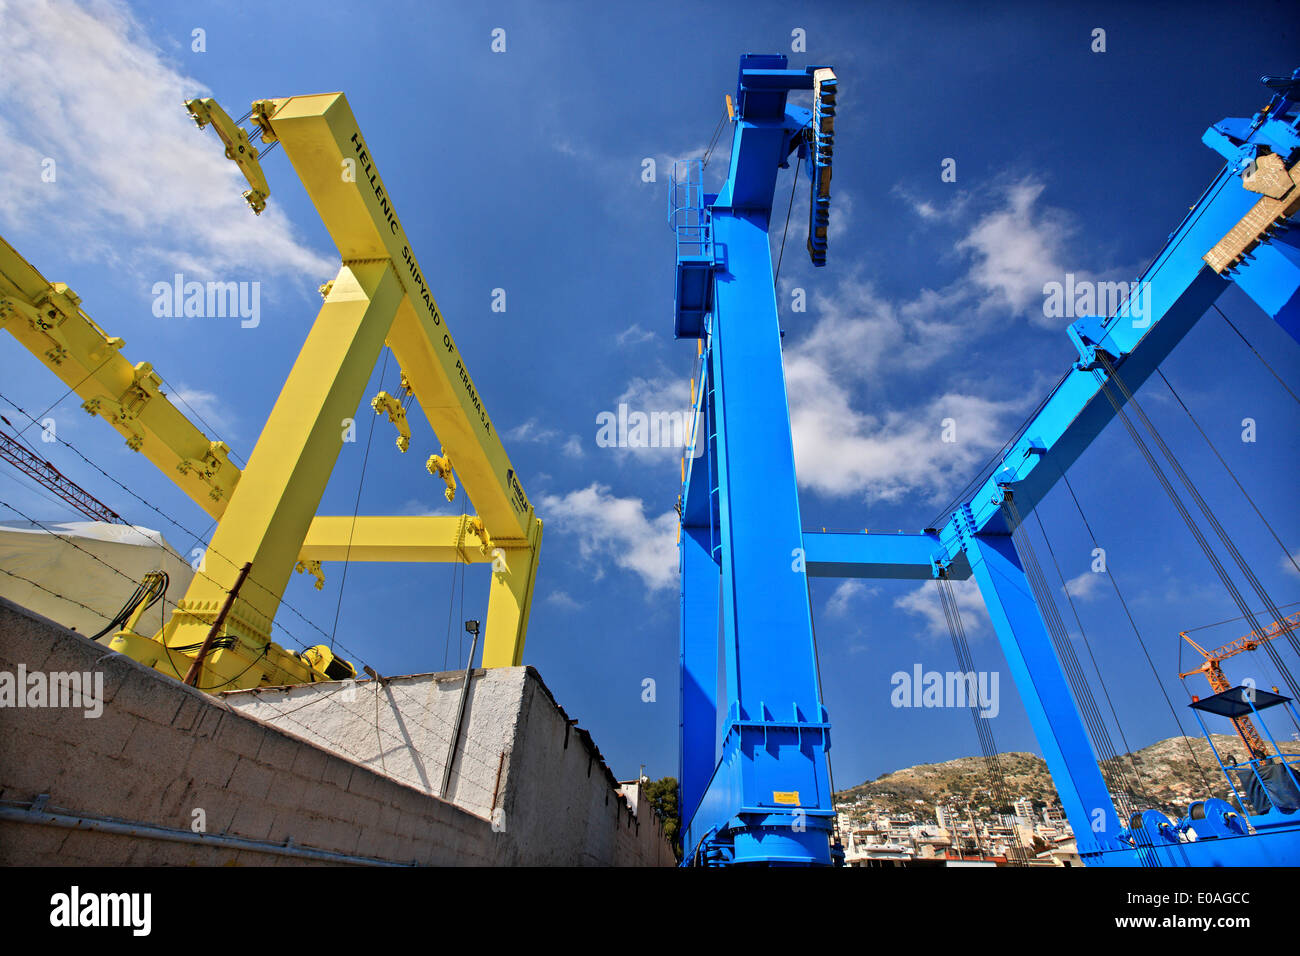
{"type": "Point", "coordinates": [131, 778]}
{"type": "Point", "coordinates": [521, 762]}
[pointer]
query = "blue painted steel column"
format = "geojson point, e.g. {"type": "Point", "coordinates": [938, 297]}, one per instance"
{"type": "Point", "coordinates": [1044, 692]}
{"type": "Point", "coordinates": [771, 792]}
{"type": "Point", "coordinates": [699, 660]}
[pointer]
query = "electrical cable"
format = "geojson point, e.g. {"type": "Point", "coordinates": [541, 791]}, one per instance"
{"type": "Point", "coordinates": [1074, 610]}
{"type": "Point", "coordinates": [175, 393]}
{"type": "Point", "coordinates": [794, 182]}
{"type": "Point", "coordinates": [982, 474]}
{"type": "Point", "coordinates": [57, 401]}
{"type": "Point", "coordinates": [280, 599]}
{"type": "Point", "coordinates": [1257, 355]}
{"type": "Point", "coordinates": [356, 509]}
{"type": "Point", "coordinates": [713, 140]}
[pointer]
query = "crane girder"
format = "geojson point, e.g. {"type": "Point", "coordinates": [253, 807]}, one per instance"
{"type": "Point", "coordinates": [47, 318]}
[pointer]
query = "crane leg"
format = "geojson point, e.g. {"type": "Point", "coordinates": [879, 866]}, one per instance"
{"type": "Point", "coordinates": [275, 501]}
{"type": "Point", "coordinates": [1044, 692]}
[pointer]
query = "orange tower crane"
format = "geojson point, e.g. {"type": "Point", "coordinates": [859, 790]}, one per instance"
{"type": "Point", "coordinates": [1214, 672]}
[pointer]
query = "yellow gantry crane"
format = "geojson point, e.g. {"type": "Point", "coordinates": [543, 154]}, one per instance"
{"type": "Point", "coordinates": [1213, 671]}
{"type": "Point", "coordinates": [267, 525]}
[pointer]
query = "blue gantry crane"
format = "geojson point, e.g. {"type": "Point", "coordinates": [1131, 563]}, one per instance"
{"type": "Point", "coordinates": [754, 777]}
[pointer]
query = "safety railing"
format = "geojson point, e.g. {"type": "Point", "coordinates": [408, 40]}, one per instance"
{"type": "Point", "coordinates": [688, 218]}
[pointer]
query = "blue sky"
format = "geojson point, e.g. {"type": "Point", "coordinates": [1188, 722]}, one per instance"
{"type": "Point", "coordinates": [522, 171]}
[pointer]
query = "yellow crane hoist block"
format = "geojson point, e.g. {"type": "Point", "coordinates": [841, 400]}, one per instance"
{"type": "Point", "coordinates": [239, 148]}
{"type": "Point", "coordinates": [383, 403]}
{"type": "Point", "coordinates": [440, 467]}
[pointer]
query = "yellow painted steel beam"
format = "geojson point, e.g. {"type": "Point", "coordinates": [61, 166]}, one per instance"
{"type": "Point", "coordinates": [510, 599]}
{"type": "Point", "coordinates": [47, 319]}
{"type": "Point", "coordinates": [442, 538]}
{"type": "Point", "coordinates": [321, 137]}
{"type": "Point", "coordinates": [401, 539]}
{"type": "Point", "coordinates": [272, 508]}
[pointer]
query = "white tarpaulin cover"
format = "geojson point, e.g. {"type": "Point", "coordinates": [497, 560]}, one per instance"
{"type": "Point", "coordinates": [48, 555]}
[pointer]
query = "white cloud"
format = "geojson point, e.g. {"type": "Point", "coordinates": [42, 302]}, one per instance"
{"type": "Point", "coordinates": [846, 593]}
{"type": "Point", "coordinates": [562, 599]}
{"type": "Point", "coordinates": [634, 335]}
{"type": "Point", "coordinates": [665, 395]}
{"type": "Point", "coordinates": [860, 334]}
{"type": "Point", "coordinates": [1084, 587]}
{"type": "Point", "coordinates": [1017, 249]}
{"type": "Point", "coordinates": [862, 337]}
{"type": "Point", "coordinates": [664, 162]}
{"type": "Point", "coordinates": [533, 432]}
{"type": "Point", "coordinates": [137, 183]}
{"type": "Point", "coordinates": [1289, 563]}
{"type": "Point", "coordinates": [1012, 250]}
{"type": "Point", "coordinates": [926, 210]}
{"type": "Point", "coordinates": [841, 452]}
{"type": "Point", "coordinates": [925, 602]}
{"type": "Point", "coordinates": [416, 508]}
{"type": "Point", "coordinates": [667, 392]}
{"type": "Point", "coordinates": [841, 218]}
{"type": "Point", "coordinates": [953, 207]}
{"type": "Point", "coordinates": [209, 407]}
{"type": "Point", "coordinates": [613, 530]}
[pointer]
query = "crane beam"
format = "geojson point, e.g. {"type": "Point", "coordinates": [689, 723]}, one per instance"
{"type": "Point", "coordinates": [47, 318]}
{"type": "Point", "coordinates": [323, 141]}
{"type": "Point", "coordinates": [880, 555]}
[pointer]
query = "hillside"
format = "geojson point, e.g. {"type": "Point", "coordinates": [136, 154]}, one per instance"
{"type": "Point", "coordinates": [1164, 775]}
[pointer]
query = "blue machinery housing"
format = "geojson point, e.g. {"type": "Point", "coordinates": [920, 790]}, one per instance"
{"type": "Point", "coordinates": [755, 784]}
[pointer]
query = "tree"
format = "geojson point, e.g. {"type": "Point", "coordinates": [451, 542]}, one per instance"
{"type": "Point", "coordinates": [662, 794]}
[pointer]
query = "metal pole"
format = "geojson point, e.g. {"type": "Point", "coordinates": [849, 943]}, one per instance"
{"type": "Point", "coordinates": [192, 675]}
{"type": "Point", "coordinates": [460, 712]}
{"type": "Point", "coordinates": [150, 831]}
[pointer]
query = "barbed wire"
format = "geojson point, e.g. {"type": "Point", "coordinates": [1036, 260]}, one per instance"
{"type": "Point", "coordinates": [280, 599]}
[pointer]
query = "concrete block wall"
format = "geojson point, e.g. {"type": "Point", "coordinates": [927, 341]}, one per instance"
{"type": "Point", "coordinates": [161, 750]}
{"type": "Point", "coordinates": [520, 761]}
{"type": "Point", "coordinates": [563, 791]}
{"type": "Point", "coordinates": [401, 727]}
